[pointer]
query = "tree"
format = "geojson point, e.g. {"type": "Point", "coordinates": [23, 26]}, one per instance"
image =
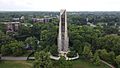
{"type": "Point", "coordinates": [49, 36]}
{"type": "Point", "coordinates": [77, 46]}
{"type": "Point", "coordinates": [54, 50]}
{"type": "Point", "coordinates": [24, 30]}
{"type": "Point", "coordinates": [71, 54]}
{"type": "Point", "coordinates": [117, 60]}
{"type": "Point", "coordinates": [110, 30]}
{"type": "Point", "coordinates": [96, 58]}
{"type": "Point", "coordinates": [42, 60]}
{"type": "Point", "coordinates": [111, 56]}
{"type": "Point", "coordinates": [61, 62]}
{"type": "Point", "coordinates": [110, 43]}
{"type": "Point", "coordinates": [87, 52]}
{"type": "Point", "coordinates": [107, 56]}
{"type": "Point", "coordinates": [81, 34]}
{"type": "Point", "coordinates": [6, 50]}
{"type": "Point", "coordinates": [14, 48]}
{"type": "Point", "coordinates": [2, 27]}
{"type": "Point", "coordinates": [36, 29]}
{"type": "Point", "coordinates": [104, 54]}
{"type": "Point", "coordinates": [31, 41]}
{"type": "Point", "coordinates": [17, 48]}
{"type": "Point", "coordinates": [4, 38]}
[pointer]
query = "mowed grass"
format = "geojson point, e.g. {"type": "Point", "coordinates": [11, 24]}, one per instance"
{"type": "Point", "coordinates": [87, 64]}
{"type": "Point", "coordinates": [28, 64]}
{"type": "Point", "coordinates": [15, 64]}
{"type": "Point", "coordinates": [82, 64]}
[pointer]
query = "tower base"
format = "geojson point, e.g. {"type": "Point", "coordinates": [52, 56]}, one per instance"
{"type": "Point", "coordinates": [62, 53]}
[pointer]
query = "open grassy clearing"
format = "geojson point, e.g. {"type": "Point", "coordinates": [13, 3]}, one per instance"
{"type": "Point", "coordinates": [81, 64]}
{"type": "Point", "coordinates": [28, 64]}
{"type": "Point", "coordinates": [15, 64]}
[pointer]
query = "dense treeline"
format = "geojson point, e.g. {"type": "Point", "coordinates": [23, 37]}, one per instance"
{"type": "Point", "coordinates": [73, 17]}
{"type": "Point", "coordinates": [8, 16]}
{"type": "Point", "coordinates": [91, 43]}
{"type": "Point", "coordinates": [45, 34]}
{"type": "Point", "coordinates": [95, 18]}
{"type": "Point", "coordinates": [88, 41]}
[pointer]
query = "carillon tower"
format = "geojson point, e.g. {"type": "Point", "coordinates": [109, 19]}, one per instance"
{"type": "Point", "coordinates": [63, 39]}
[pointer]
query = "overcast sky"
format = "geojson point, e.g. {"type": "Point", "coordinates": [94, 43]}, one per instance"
{"type": "Point", "coordinates": [56, 5]}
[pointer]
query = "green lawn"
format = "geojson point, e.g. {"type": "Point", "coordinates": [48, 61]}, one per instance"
{"type": "Point", "coordinates": [87, 64]}
{"type": "Point", "coordinates": [81, 64]}
{"type": "Point", "coordinates": [15, 64]}
{"type": "Point", "coordinates": [28, 64]}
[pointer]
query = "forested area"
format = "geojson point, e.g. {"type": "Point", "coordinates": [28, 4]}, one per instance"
{"type": "Point", "coordinates": [91, 43]}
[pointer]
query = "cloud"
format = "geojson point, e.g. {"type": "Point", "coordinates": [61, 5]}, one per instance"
{"type": "Point", "coordinates": [56, 5]}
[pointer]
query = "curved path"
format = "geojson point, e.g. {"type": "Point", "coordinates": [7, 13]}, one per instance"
{"type": "Point", "coordinates": [107, 63]}
{"type": "Point", "coordinates": [16, 58]}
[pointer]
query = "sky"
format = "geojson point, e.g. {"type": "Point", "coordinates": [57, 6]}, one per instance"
{"type": "Point", "coordinates": [56, 5]}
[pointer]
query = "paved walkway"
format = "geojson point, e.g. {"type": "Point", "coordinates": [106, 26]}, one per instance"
{"type": "Point", "coordinates": [107, 63]}
{"type": "Point", "coordinates": [16, 58]}
{"type": "Point", "coordinates": [55, 58]}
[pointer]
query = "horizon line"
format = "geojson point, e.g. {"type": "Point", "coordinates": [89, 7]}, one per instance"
{"type": "Point", "coordinates": [52, 11]}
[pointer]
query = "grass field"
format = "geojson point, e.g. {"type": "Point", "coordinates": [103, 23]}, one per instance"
{"type": "Point", "coordinates": [28, 64]}
{"type": "Point", "coordinates": [87, 64]}
{"type": "Point", "coordinates": [15, 64]}
{"type": "Point", "coordinates": [82, 64]}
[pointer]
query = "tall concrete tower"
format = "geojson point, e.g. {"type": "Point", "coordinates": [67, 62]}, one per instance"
{"type": "Point", "coordinates": [63, 33]}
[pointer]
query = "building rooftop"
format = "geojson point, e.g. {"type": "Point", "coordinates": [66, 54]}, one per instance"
{"type": "Point", "coordinates": [10, 22]}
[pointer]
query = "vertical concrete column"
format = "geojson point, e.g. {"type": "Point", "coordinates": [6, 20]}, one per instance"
{"type": "Point", "coordinates": [59, 35]}
{"type": "Point", "coordinates": [63, 33]}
